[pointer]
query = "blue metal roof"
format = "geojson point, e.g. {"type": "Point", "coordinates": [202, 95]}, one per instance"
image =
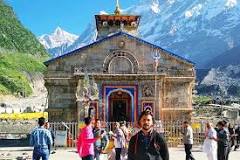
{"type": "Point", "coordinates": [114, 35]}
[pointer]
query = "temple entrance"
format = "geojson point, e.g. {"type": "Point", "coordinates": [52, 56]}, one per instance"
{"type": "Point", "coordinates": [120, 106]}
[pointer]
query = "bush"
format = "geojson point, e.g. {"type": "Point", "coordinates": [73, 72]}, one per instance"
{"type": "Point", "coordinates": [23, 116]}
{"type": "Point", "coordinates": [202, 100]}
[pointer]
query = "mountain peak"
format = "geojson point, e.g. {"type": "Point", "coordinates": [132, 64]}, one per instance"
{"type": "Point", "coordinates": [58, 38]}
{"type": "Point", "coordinates": [58, 31]}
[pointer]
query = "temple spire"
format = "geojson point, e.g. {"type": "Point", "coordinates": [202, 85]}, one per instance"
{"type": "Point", "coordinates": [111, 23]}
{"type": "Point", "coordinates": [117, 10]}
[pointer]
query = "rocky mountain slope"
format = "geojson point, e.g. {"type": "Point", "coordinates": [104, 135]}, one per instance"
{"type": "Point", "coordinates": [230, 57]}
{"type": "Point", "coordinates": [222, 81]}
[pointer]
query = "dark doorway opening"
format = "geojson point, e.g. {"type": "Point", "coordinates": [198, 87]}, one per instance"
{"type": "Point", "coordinates": [119, 111]}
{"type": "Point", "coordinates": [120, 107]}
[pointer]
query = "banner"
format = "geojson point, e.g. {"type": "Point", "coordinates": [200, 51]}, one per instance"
{"type": "Point", "coordinates": [61, 138]}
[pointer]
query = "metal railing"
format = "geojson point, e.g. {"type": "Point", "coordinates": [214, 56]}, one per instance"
{"type": "Point", "coordinates": [70, 127]}
{"type": "Point", "coordinates": [170, 129]}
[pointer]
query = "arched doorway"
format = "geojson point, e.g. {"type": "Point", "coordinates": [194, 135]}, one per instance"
{"type": "Point", "coordinates": [120, 106]}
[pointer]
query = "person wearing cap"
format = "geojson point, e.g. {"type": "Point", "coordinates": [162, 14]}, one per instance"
{"type": "Point", "coordinates": [147, 144]}
{"type": "Point", "coordinates": [41, 139]}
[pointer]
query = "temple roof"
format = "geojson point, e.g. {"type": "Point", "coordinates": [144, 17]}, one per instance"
{"type": "Point", "coordinates": [115, 35]}
{"type": "Point", "coordinates": [122, 18]}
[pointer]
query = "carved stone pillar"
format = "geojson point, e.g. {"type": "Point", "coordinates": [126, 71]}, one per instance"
{"type": "Point", "coordinates": [78, 111]}
{"type": "Point", "coordinates": [82, 110]}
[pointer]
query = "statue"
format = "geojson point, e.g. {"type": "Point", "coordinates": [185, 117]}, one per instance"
{"type": "Point", "coordinates": [148, 91]}
{"type": "Point", "coordinates": [86, 93]}
{"type": "Point", "coordinates": [94, 93]}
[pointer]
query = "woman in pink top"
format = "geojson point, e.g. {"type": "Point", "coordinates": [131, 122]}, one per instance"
{"type": "Point", "coordinates": [85, 143]}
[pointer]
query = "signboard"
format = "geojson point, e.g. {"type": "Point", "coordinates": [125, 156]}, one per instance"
{"type": "Point", "coordinates": [61, 138]}
{"type": "Point", "coordinates": [196, 125]}
{"type": "Point", "coordinates": [147, 105]}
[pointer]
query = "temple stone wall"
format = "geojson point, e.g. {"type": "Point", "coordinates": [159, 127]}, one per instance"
{"type": "Point", "coordinates": [92, 58]}
{"type": "Point", "coordinates": [176, 95]}
{"type": "Point", "coordinates": [168, 89]}
{"type": "Point", "coordinates": [61, 99]}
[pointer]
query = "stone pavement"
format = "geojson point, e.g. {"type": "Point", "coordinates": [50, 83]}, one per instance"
{"type": "Point", "coordinates": [25, 153]}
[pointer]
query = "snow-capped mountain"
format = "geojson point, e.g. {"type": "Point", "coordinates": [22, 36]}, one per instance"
{"type": "Point", "coordinates": [58, 41]}
{"type": "Point", "coordinates": [89, 35]}
{"type": "Point", "coordinates": [199, 30]}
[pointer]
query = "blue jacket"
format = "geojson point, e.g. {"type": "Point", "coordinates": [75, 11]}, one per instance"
{"type": "Point", "coordinates": [41, 138]}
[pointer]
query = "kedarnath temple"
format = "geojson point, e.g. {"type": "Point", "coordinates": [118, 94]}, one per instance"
{"type": "Point", "coordinates": [118, 76]}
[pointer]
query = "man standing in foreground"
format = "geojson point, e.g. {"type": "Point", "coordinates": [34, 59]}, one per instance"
{"type": "Point", "coordinates": [188, 140]}
{"type": "Point", "coordinates": [41, 139]}
{"type": "Point", "coordinates": [147, 144]}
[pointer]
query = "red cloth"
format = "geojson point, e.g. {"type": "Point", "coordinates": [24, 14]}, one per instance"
{"type": "Point", "coordinates": [85, 143]}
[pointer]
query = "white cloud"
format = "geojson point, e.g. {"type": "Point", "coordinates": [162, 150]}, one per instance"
{"type": "Point", "coordinates": [231, 3]}
{"type": "Point", "coordinates": [230, 43]}
{"type": "Point", "coordinates": [170, 1]}
{"type": "Point", "coordinates": [195, 11]}
{"type": "Point", "coordinates": [103, 13]}
{"type": "Point", "coordinates": [188, 14]}
{"type": "Point", "coordinates": [155, 7]}
{"type": "Point", "coordinates": [173, 29]}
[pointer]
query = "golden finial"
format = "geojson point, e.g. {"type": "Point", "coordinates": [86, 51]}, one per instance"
{"type": "Point", "coordinates": [117, 10]}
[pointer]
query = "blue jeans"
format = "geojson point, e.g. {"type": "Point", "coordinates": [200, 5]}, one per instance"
{"type": "Point", "coordinates": [97, 152]}
{"type": "Point", "coordinates": [89, 157]}
{"type": "Point", "coordinates": [40, 153]}
{"type": "Point", "coordinates": [118, 153]}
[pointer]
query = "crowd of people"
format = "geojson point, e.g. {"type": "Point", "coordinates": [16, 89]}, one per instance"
{"type": "Point", "coordinates": [221, 140]}
{"type": "Point", "coordinates": [145, 144]}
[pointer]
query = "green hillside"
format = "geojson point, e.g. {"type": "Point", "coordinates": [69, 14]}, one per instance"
{"type": "Point", "coordinates": [14, 36]}
{"type": "Point", "coordinates": [14, 68]}
{"type": "Point", "coordinates": [20, 54]}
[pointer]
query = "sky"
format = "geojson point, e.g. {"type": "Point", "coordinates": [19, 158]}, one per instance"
{"type": "Point", "coordinates": [43, 16]}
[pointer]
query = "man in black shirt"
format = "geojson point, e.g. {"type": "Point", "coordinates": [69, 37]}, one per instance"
{"type": "Point", "coordinates": [147, 144]}
{"type": "Point", "coordinates": [222, 142]}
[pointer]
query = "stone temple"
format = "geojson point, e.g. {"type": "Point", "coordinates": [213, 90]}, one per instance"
{"type": "Point", "coordinates": [118, 76]}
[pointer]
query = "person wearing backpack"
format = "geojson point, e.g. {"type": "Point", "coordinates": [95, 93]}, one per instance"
{"type": "Point", "coordinates": [147, 144]}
